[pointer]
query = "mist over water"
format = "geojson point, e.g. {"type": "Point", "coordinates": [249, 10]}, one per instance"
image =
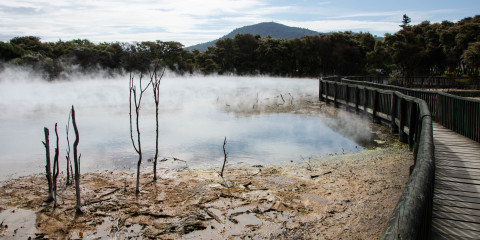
{"type": "Point", "coordinates": [196, 113]}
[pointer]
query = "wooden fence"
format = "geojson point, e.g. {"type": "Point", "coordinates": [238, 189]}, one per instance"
{"type": "Point", "coordinates": [459, 114]}
{"type": "Point", "coordinates": [410, 116]}
{"type": "Point", "coordinates": [424, 81]}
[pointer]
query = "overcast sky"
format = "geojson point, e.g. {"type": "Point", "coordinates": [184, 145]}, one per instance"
{"type": "Point", "coordinates": [191, 22]}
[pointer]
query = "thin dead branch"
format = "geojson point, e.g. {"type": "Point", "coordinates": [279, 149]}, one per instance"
{"type": "Point", "coordinates": [282, 98]}
{"type": "Point", "coordinates": [155, 80]}
{"type": "Point", "coordinates": [55, 170]}
{"type": "Point", "coordinates": [76, 162]}
{"type": "Point", "coordinates": [69, 161]}
{"type": "Point", "coordinates": [47, 166]}
{"type": "Point", "coordinates": [225, 156]}
{"type": "Point", "coordinates": [213, 215]}
{"type": "Point", "coordinates": [137, 102]}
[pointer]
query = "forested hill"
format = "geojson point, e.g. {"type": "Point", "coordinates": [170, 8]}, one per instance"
{"type": "Point", "coordinates": [275, 30]}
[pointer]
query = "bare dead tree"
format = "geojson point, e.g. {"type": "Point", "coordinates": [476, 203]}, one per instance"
{"type": "Point", "coordinates": [137, 101]}
{"type": "Point", "coordinates": [155, 80]}
{"type": "Point", "coordinates": [282, 99]}
{"type": "Point", "coordinates": [76, 162]}
{"type": "Point", "coordinates": [291, 100]}
{"type": "Point", "coordinates": [225, 156]}
{"type": "Point", "coordinates": [69, 162]}
{"type": "Point", "coordinates": [55, 170]}
{"type": "Point", "coordinates": [47, 167]}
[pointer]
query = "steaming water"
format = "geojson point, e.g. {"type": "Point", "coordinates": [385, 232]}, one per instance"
{"type": "Point", "coordinates": [196, 113]}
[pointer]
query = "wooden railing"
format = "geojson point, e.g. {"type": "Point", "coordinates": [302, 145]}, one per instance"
{"type": "Point", "coordinates": [411, 118]}
{"type": "Point", "coordinates": [459, 114]}
{"type": "Point", "coordinates": [424, 81]}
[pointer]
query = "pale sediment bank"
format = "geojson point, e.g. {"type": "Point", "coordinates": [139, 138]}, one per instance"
{"type": "Point", "coordinates": [334, 197]}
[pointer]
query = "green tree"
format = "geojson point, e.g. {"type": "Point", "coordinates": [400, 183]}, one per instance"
{"type": "Point", "coordinates": [406, 21]}
{"type": "Point", "coordinates": [471, 57]}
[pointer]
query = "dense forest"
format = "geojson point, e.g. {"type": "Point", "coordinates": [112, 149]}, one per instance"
{"type": "Point", "coordinates": [427, 49]}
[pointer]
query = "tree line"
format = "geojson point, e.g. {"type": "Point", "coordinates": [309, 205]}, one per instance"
{"type": "Point", "coordinates": [444, 48]}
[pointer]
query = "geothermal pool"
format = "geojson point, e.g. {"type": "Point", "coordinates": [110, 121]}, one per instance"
{"type": "Point", "coordinates": [196, 113]}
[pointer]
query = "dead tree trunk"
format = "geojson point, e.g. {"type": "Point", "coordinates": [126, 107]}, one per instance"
{"type": "Point", "coordinates": [137, 101]}
{"type": "Point", "coordinates": [225, 156]}
{"type": "Point", "coordinates": [47, 167]}
{"type": "Point", "coordinates": [55, 170]}
{"type": "Point", "coordinates": [155, 81]}
{"type": "Point", "coordinates": [69, 162]}
{"type": "Point", "coordinates": [76, 162]}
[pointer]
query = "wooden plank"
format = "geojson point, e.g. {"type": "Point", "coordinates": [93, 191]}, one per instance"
{"type": "Point", "coordinates": [452, 138]}
{"type": "Point", "coordinates": [440, 234]}
{"type": "Point", "coordinates": [452, 143]}
{"type": "Point", "coordinates": [470, 154]}
{"type": "Point", "coordinates": [453, 185]}
{"type": "Point", "coordinates": [452, 159]}
{"type": "Point", "coordinates": [450, 209]}
{"type": "Point", "coordinates": [441, 138]}
{"type": "Point", "coordinates": [459, 204]}
{"type": "Point", "coordinates": [457, 180]}
{"type": "Point", "coordinates": [459, 166]}
{"type": "Point", "coordinates": [471, 165]}
{"type": "Point", "coordinates": [456, 158]}
{"type": "Point", "coordinates": [455, 193]}
{"type": "Point", "coordinates": [466, 151]}
{"type": "Point", "coordinates": [453, 232]}
{"type": "Point", "coordinates": [456, 143]}
{"type": "Point", "coordinates": [459, 224]}
{"type": "Point", "coordinates": [440, 148]}
{"type": "Point", "coordinates": [444, 140]}
{"type": "Point", "coordinates": [456, 217]}
{"type": "Point", "coordinates": [456, 169]}
{"type": "Point", "coordinates": [455, 198]}
{"type": "Point", "coordinates": [443, 133]}
{"type": "Point", "coordinates": [457, 175]}
{"type": "Point", "coordinates": [460, 162]}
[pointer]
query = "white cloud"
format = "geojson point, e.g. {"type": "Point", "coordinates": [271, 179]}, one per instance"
{"type": "Point", "coordinates": [186, 21]}
{"type": "Point", "coordinates": [150, 20]}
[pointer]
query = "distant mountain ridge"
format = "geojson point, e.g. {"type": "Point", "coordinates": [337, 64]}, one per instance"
{"type": "Point", "coordinates": [275, 30]}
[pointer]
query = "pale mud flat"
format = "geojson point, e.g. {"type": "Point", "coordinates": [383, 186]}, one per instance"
{"type": "Point", "coordinates": [333, 197]}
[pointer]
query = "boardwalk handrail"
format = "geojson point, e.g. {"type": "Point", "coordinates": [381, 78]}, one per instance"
{"type": "Point", "coordinates": [456, 113]}
{"type": "Point", "coordinates": [410, 117]}
{"type": "Point", "coordinates": [423, 81]}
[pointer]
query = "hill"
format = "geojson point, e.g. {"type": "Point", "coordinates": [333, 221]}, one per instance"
{"type": "Point", "coordinates": [275, 30]}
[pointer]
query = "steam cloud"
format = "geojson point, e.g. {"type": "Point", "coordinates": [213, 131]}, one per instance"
{"type": "Point", "coordinates": [196, 112]}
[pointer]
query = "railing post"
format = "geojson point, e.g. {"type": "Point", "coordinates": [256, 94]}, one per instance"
{"type": "Point", "coordinates": [357, 99]}
{"type": "Point", "coordinates": [365, 100]}
{"type": "Point", "coordinates": [320, 90]}
{"type": "Point", "coordinates": [335, 89]}
{"type": "Point", "coordinates": [393, 113]}
{"type": "Point", "coordinates": [412, 124]}
{"type": "Point", "coordinates": [375, 107]}
{"type": "Point", "coordinates": [326, 93]}
{"type": "Point", "coordinates": [347, 97]}
{"type": "Point", "coordinates": [402, 137]}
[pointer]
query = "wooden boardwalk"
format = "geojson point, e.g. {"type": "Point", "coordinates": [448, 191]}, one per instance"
{"type": "Point", "coordinates": [456, 199]}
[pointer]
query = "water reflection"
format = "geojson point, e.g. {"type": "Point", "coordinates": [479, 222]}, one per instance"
{"type": "Point", "coordinates": [196, 113]}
